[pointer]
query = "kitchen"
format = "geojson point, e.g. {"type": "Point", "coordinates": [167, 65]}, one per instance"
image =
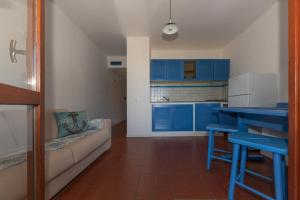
{"type": "Point", "coordinates": [258, 48]}
{"type": "Point", "coordinates": [178, 92]}
{"type": "Point", "coordinates": [185, 93]}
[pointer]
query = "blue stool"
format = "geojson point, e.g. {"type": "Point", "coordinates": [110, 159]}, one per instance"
{"type": "Point", "coordinates": [212, 128]}
{"type": "Point", "coordinates": [277, 146]}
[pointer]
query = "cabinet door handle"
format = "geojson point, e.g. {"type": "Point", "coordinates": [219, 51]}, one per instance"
{"type": "Point", "coordinates": [13, 51]}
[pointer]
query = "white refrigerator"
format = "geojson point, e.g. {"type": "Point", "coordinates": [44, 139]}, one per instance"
{"type": "Point", "coordinates": [253, 90]}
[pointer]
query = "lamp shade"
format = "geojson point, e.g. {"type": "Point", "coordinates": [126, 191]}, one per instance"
{"type": "Point", "coordinates": [170, 28]}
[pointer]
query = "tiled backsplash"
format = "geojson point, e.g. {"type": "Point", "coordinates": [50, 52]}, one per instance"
{"type": "Point", "coordinates": [189, 91]}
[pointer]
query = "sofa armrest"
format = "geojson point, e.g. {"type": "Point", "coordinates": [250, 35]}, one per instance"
{"type": "Point", "coordinates": [106, 124]}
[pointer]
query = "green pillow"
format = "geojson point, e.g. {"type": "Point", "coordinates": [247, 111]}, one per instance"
{"type": "Point", "coordinates": [71, 122]}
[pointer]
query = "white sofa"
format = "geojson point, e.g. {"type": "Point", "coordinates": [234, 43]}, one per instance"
{"type": "Point", "coordinates": [61, 165]}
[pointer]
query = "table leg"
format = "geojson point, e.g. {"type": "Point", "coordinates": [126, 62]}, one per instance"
{"type": "Point", "coordinates": [243, 127]}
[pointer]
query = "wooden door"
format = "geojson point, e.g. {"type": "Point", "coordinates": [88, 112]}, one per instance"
{"type": "Point", "coordinates": [294, 100]}
{"type": "Point", "coordinates": [22, 100]}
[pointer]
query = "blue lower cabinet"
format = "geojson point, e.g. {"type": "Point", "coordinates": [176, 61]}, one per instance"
{"type": "Point", "coordinates": [182, 118]}
{"type": "Point", "coordinates": [172, 117]}
{"type": "Point", "coordinates": [161, 118]}
{"type": "Point", "coordinates": [204, 115]}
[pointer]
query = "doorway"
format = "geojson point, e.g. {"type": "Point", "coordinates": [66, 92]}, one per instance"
{"type": "Point", "coordinates": [21, 100]}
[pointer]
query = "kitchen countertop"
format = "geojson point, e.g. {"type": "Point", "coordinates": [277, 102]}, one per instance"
{"type": "Point", "coordinates": [187, 102]}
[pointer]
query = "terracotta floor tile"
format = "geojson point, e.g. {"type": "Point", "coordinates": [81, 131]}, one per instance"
{"type": "Point", "coordinates": [160, 169]}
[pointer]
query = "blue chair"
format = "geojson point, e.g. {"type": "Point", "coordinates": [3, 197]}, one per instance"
{"type": "Point", "coordinates": [213, 128]}
{"type": "Point", "coordinates": [277, 146]}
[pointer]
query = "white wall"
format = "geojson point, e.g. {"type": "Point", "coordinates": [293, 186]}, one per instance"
{"type": "Point", "coordinates": [263, 47]}
{"type": "Point", "coordinates": [77, 77]}
{"type": "Point", "coordinates": [138, 87]}
{"type": "Point", "coordinates": [186, 54]}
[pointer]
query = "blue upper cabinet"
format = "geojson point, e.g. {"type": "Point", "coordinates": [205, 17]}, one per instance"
{"type": "Point", "coordinates": [166, 70]}
{"type": "Point", "coordinates": [175, 70]}
{"type": "Point", "coordinates": [158, 70]}
{"type": "Point", "coordinates": [161, 118]}
{"type": "Point", "coordinates": [204, 115]}
{"type": "Point", "coordinates": [205, 70]}
{"type": "Point", "coordinates": [182, 118]}
{"type": "Point", "coordinates": [221, 69]}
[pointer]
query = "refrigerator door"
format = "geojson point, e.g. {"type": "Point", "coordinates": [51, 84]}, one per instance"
{"type": "Point", "coordinates": [239, 101]}
{"type": "Point", "coordinates": [239, 85]}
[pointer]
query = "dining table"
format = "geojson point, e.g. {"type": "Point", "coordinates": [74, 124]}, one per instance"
{"type": "Point", "coordinates": [272, 118]}
{"type": "Point", "coordinates": [267, 118]}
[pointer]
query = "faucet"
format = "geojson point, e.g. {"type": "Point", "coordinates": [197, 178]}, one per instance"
{"type": "Point", "coordinates": [166, 98]}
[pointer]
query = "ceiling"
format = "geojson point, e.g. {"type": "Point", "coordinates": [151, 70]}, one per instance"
{"type": "Point", "coordinates": [203, 24]}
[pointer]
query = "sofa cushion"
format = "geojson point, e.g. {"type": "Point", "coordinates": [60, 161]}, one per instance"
{"type": "Point", "coordinates": [7, 141]}
{"type": "Point", "coordinates": [51, 125]}
{"type": "Point", "coordinates": [12, 159]}
{"type": "Point", "coordinates": [13, 182]}
{"type": "Point", "coordinates": [57, 161]}
{"type": "Point", "coordinates": [71, 122]}
{"type": "Point", "coordinates": [88, 144]}
{"type": "Point", "coordinates": [94, 124]}
{"type": "Point", "coordinates": [17, 121]}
